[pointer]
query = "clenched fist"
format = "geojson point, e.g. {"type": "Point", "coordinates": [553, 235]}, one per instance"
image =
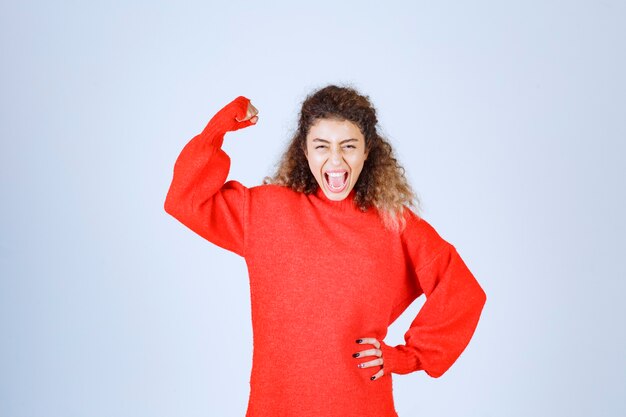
{"type": "Point", "coordinates": [237, 114]}
{"type": "Point", "coordinates": [251, 114]}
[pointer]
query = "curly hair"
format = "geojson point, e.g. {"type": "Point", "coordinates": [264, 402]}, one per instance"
{"type": "Point", "coordinates": [381, 184]}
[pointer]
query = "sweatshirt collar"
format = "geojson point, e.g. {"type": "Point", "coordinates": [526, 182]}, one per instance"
{"type": "Point", "coordinates": [345, 204]}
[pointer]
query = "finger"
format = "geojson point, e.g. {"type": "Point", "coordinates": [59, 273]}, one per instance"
{"type": "Point", "coordinates": [250, 112]}
{"type": "Point", "coordinates": [242, 124]}
{"type": "Point", "coordinates": [377, 375]}
{"type": "Point", "coordinates": [254, 119]}
{"type": "Point", "coordinates": [368, 352]}
{"type": "Point", "coordinates": [369, 364]}
{"type": "Point", "coordinates": [370, 340]}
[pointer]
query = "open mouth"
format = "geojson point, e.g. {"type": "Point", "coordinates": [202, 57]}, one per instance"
{"type": "Point", "coordinates": [336, 180]}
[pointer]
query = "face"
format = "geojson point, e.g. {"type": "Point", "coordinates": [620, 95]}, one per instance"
{"type": "Point", "coordinates": [336, 154]}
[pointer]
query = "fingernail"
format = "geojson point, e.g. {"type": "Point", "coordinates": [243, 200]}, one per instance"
{"type": "Point", "coordinates": [373, 377]}
{"type": "Point", "coordinates": [359, 340]}
{"type": "Point", "coordinates": [355, 355]}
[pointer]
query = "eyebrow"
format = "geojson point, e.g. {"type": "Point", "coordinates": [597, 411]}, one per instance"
{"type": "Point", "coordinates": [343, 141]}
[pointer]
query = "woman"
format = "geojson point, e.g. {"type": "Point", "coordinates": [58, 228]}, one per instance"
{"type": "Point", "coordinates": [334, 256]}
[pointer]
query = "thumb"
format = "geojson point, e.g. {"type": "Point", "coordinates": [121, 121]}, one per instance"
{"type": "Point", "coordinates": [244, 123]}
{"type": "Point", "coordinates": [240, 106]}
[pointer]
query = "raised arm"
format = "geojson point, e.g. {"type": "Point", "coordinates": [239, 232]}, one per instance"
{"type": "Point", "coordinates": [447, 320]}
{"type": "Point", "coordinates": [198, 196]}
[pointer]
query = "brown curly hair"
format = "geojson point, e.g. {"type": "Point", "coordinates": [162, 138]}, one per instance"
{"type": "Point", "coordinates": [381, 184]}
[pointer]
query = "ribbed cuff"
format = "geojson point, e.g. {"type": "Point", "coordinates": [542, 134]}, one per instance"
{"type": "Point", "coordinates": [225, 120]}
{"type": "Point", "coordinates": [233, 111]}
{"type": "Point", "coordinates": [399, 359]}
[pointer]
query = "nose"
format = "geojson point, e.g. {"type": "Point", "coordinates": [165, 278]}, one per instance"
{"type": "Point", "coordinates": [336, 156]}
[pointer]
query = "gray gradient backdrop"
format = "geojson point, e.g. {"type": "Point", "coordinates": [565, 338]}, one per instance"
{"type": "Point", "coordinates": [509, 120]}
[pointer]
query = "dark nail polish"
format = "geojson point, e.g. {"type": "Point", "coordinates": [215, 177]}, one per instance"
{"type": "Point", "coordinates": [355, 355]}
{"type": "Point", "coordinates": [359, 340]}
{"type": "Point", "coordinates": [373, 378]}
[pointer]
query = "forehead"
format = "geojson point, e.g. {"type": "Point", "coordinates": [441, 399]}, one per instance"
{"type": "Point", "coordinates": [334, 130]}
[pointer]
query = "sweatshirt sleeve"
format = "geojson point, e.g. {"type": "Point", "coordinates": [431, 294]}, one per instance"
{"type": "Point", "coordinates": [198, 195]}
{"type": "Point", "coordinates": [447, 320]}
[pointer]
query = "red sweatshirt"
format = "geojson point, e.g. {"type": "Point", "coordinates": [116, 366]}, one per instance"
{"type": "Point", "coordinates": [323, 274]}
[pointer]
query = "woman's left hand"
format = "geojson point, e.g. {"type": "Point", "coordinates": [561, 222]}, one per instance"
{"type": "Point", "coordinates": [370, 352]}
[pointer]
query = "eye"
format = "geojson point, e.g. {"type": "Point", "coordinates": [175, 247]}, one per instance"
{"type": "Point", "coordinates": [320, 146]}
{"type": "Point", "coordinates": [351, 146]}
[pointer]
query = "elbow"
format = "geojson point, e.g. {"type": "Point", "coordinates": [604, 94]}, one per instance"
{"type": "Point", "coordinates": [167, 206]}
{"type": "Point", "coordinates": [479, 299]}
{"type": "Point", "coordinates": [436, 372]}
{"type": "Point", "coordinates": [174, 201]}
{"type": "Point", "coordinates": [477, 294]}
{"type": "Point", "coordinates": [482, 296]}
{"type": "Point", "coordinates": [171, 207]}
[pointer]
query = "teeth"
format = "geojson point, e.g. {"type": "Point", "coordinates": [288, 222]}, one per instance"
{"type": "Point", "coordinates": [335, 175]}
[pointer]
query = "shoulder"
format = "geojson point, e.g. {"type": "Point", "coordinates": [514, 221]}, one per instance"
{"type": "Point", "coordinates": [420, 235]}
{"type": "Point", "coordinates": [271, 190]}
{"type": "Point", "coordinates": [272, 195]}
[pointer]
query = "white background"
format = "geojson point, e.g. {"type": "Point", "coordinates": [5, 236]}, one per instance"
{"type": "Point", "coordinates": [507, 116]}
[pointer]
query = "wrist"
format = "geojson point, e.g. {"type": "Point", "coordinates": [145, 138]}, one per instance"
{"type": "Point", "coordinates": [230, 117]}
{"type": "Point", "coordinates": [399, 359]}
